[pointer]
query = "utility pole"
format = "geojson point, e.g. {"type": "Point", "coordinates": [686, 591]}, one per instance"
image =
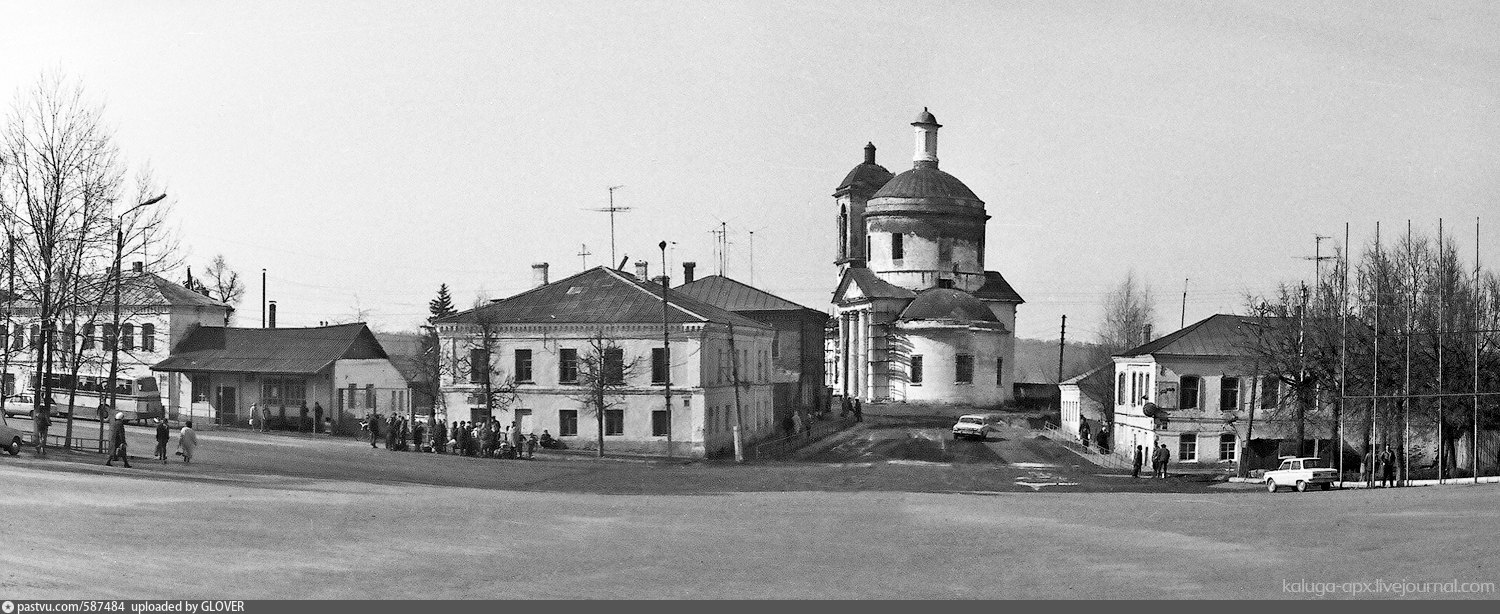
{"type": "Point", "coordinates": [1318, 259]}
{"type": "Point", "coordinates": [739, 423]}
{"type": "Point", "coordinates": [752, 258]}
{"type": "Point", "coordinates": [262, 298]}
{"type": "Point", "coordinates": [1062, 345]}
{"type": "Point", "coordinates": [666, 346]}
{"type": "Point", "coordinates": [1301, 373]}
{"type": "Point", "coordinates": [1182, 322]}
{"type": "Point", "coordinates": [612, 210]}
{"type": "Point", "coordinates": [114, 333]}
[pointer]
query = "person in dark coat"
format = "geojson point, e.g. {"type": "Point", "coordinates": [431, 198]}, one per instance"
{"type": "Point", "coordinates": [318, 416]}
{"type": "Point", "coordinates": [417, 430]}
{"type": "Point", "coordinates": [117, 442]}
{"type": "Point", "coordinates": [859, 411]}
{"type": "Point", "coordinates": [302, 418]}
{"type": "Point", "coordinates": [531, 446]}
{"type": "Point", "coordinates": [546, 440]}
{"type": "Point", "coordinates": [1387, 467]}
{"type": "Point", "coordinates": [1083, 434]}
{"type": "Point", "coordinates": [1135, 464]}
{"type": "Point", "coordinates": [1159, 461]}
{"type": "Point", "coordinates": [374, 425]}
{"type": "Point", "coordinates": [163, 434]}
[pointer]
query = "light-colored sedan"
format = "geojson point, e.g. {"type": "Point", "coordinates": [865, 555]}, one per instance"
{"type": "Point", "coordinates": [1300, 472]}
{"type": "Point", "coordinates": [973, 425]}
{"type": "Point", "coordinates": [11, 438]}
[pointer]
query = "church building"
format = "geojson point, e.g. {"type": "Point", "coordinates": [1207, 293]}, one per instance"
{"type": "Point", "coordinates": [916, 316]}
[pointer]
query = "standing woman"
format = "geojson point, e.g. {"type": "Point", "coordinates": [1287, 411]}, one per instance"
{"type": "Point", "coordinates": [187, 441]}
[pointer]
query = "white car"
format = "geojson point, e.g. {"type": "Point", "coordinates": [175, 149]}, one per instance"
{"type": "Point", "coordinates": [11, 438]}
{"type": "Point", "coordinates": [973, 425]}
{"type": "Point", "coordinates": [18, 405]}
{"type": "Point", "coordinates": [1300, 472]}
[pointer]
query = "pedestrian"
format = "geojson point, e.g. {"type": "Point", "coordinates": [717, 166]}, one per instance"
{"type": "Point", "coordinates": [117, 442]}
{"type": "Point", "coordinates": [302, 424]}
{"type": "Point", "coordinates": [265, 420]}
{"type": "Point", "coordinates": [416, 436]}
{"type": "Point", "coordinates": [163, 434]}
{"type": "Point", "coordinates": [318, 416]}
{"type": "Point", "coordinates": [1367, 467]}
{"type": "Point", "coordinates": [845, 406]}
{"type": "Point", "coordinates": [859, 412]}
{"type": "Point", "coordinates": [1103, 438]}
{"type": "Point", "coordinates": [187, 441]}
{"type": "Point", "coordinates": [1158, 461]}
{"type": "Point", "coordinates": [42, 422]}
{"type": "Point", "coordinates": [1166, 459]}
{"type": "Point", "coordinates": [531, 446]}
{"type": "Point", "coordinates": [1135, 464]}
{"type": "Point", "coordinates": [254, 413]}
{"type": "Point", "coordinates": [1387, 467]}
{"type": "Point", "coordinates": [1083, 434]}
{"type": "Point", "coordinates": [546, 440]}
{"type": "Point", "coordinates": [406, 433]}
{"type": "Point", "coordinates": [373, 423]}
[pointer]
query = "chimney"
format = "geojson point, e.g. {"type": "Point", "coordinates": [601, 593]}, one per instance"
{"type": "Point", "coordinates": [926, 128]}
{"type": "Point", "coordinates": [539, 274]}
{"type": "Point", "coordinates": [869, 153]}
{"type": "Point", "coordinates": [1146, 332]}
{"type": "Point", "coordinates": [687, 272]}
{"type": "Point", "coordinates": [642, 269]}
{"type": "Point", "coordinates": [271, 317]}
{"type": "Point", "coordinates": [137, 267]}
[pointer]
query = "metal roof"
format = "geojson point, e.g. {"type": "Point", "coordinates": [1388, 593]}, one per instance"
{"type": "Point", "coordinates": [600, 295]}
{"type": "Point", "coordinates": [731, 295]}
{"type": "Point", "coordinates": [294, 351]}
{"type": "Point", "coordinates": [870, 285]}
{"type": "Point", "coordinates": [1217, 335]}
{"type": "Point", "coordinates": [947, 304]}
{"type": "Point", "coordinates": [995, 288]}
{"type": "Point", "coordinates": [926, 182]}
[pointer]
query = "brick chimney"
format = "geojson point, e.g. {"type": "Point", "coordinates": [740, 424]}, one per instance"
{"type": "Point", "coordinates": [687, 272]}
{"type": "Point", "coordinates": [137, 267]}
{"type": "Point", "coordinates": [271, 315]}
{"type": "Point", "coordinates": [539, 274]}
{"type": "Point", "coordinates": [642, 270]}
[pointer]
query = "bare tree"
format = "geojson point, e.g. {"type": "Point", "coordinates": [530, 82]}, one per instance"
{"type": "Point", "coordinates": [224, 283]}
{"type": "Point", "coordinates": [1128, 310]}
{"type": "Point", "coordinates": [602, 376]}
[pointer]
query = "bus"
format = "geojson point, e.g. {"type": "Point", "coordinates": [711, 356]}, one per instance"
{"type": "Point", "coordinates": [138, 398]}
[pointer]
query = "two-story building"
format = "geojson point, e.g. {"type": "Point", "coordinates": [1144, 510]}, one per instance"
{"type": "Point", "coordinates": [538, 347]}
{"type": "Point", "coordinates": [797, 347]}
{"type": "Point", "coordinates": [1200, 391]}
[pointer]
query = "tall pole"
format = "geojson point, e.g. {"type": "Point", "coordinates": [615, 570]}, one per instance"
{"type": "Point", "coordinates": [1302, 374]}
{"type": "Point", "coordinates": [113, 335]}
{"type": "Point", "coordinates": [1411, 304]}
{"type": "Point", "coordinates": [1375, 378]}
{"type": "Point", "coordinates": [1062, 345]}
{"type": "Point", "coordinates": [1476, 328]}
{"type": "Point", "coordinates": [666, 346]}
{"type": "Point", "coordinates": [1343, 350]}
{"type": "Point", "coordinates": [612, 221]}
{"type": "Point", "coordinates": [262, 298]}
{"type": "Point", "coordinates": [1182, 322]}
{"type": "Point", "coordinates": [734, 363]}
{"type": "Point", "coordinates": [1442, 313]}
{"type": "Point", "coordinates": [752, 258]}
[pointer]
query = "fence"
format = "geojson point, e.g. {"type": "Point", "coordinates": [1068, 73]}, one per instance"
{"type": "Point", "coordinates": [818, 429]}
{"type": "Point", "coordinates": [1116, 458]}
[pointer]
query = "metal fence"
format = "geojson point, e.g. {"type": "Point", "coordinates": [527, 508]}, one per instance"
{"type": "Point", "coordinates": [1116, 458]}
{"type": "Point", "coordinates": [782, 446]}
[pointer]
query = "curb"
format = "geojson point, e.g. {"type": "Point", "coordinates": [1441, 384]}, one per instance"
{"type": "Point", "coordinates": [1362, 484]}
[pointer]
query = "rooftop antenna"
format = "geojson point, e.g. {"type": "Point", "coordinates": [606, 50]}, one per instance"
{"type": "Point", "coordinates": [1317, 259]}
{"type": "Point", "coordinates": [721, 238]}
{"type": "Point", "coordinates": [612, 210]}
{"type": "Point", "coordinates": [583, 252]}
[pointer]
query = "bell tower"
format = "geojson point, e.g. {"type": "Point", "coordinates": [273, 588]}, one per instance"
{"type": "Point", "coordinates": [852, 194]}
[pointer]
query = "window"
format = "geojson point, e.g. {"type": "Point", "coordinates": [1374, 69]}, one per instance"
{"type": "Point", "coordinates": [614, 366]}
{"type": "Point", "coordinates": [843, 233]}
{"type": "Point", "coordinates": [1229, 393]}
{"type": "Point", "coordinates": [567, 423]}
{"type": "Point", "coordinates": [1227, 447]}
{"type": "Point", "coordinates": [479, 365]}
{"type": "Point", "coordinates": [775, 345]}
{"type": "Point", "coordinates": [898, 248]}
{"type": "Point", "coordinates": [87, 343]}
{"type": "Point", "coordinates": [567, 366]}
{"type": "Point", "coordinates": [127, 337]}
{"type": "Point", "coordinates": [370, 396]}
{"type": "Point", "coordinates": [916, 369]}
{"type": "Point", "coordinates": [614, 422]}
{"type": "Point", "coordinates": [283, 392]}
{"type": "Point", "coordinates": [70, 332]}
{"type": "Point", "coordinates": [1187, 447]}
{"type": "Point", "coordinates": [1120, 390]}
{"type": "Point", "coordinates": [1190, 386]}
{"type": "Point", "coordinates": [660, 423]}
{"type": "Point", "coordinates": [200, 384]}
{"type": "Point", "coordinates": [523, 365]}
{"type": "Point", "coordinates": [658, 365]}
{"type": "Point", "coordinates": [1269, 392]}
{"type": "Point", "coordinates": [148, 337]}
{"type": "Point", "coordinates": [36, 336]}
{"type": "Point", "coordinates": [1135, 389]}
{"type": "Point", "coordinates": [963, 369]}
{"type": "Point", "coordinates": [945, 249]}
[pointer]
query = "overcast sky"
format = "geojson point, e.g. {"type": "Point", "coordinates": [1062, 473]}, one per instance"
{"type": "Point", "coordinates": [364, 153]}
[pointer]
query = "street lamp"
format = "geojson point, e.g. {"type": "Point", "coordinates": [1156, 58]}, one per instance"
{"type": "Point", "coordinates": [114, 333]}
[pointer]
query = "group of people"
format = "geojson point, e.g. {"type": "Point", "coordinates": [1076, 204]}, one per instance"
{"type": "Point", "coordinates": [187, 441]}
{"type": "Point", "coordinates": [485, 438]}
{"type": "Point", "coordinates": [308, 420]}
{"type": "Point", "coordinates": [1160, 456]}
{"type": "Point", "coordinates": [1102, 439]}
{"type": "Point", "coordinates": [1382, 464]}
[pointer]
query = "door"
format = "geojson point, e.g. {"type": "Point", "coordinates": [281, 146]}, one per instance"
{"type": "Point", "coordinates": [526, 421]}
{"type": "Point", "coordinates": [224, 402]}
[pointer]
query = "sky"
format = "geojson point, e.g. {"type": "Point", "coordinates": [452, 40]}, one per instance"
{"type": "Point", "coordinates": [363, 153]}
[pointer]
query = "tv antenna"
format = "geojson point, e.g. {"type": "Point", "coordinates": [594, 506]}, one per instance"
{"type": "Point", "coordinates": [612, 210]}
{"type": "Point", "coordinates": [1318, 259]}
{"type": "Point", "coordinates": [584, 253]}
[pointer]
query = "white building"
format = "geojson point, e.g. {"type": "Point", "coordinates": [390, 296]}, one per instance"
{"type": "Point", "coordinates": [540, 339]}
{"type": "Point", "coordinates": [918, 316]}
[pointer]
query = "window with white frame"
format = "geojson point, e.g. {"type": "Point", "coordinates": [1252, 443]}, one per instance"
{"type": "Point", "coordinates": [1228, 447]}
{"type": "Point", "coordinates": [1187, 447]}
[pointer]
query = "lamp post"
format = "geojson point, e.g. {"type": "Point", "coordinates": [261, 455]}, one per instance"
{"type": "Point", "coordinates": [666, 347]}
{"type": "Point", "coordinates": [114, 332]}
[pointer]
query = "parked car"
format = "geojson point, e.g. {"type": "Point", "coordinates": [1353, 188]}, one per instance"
{"type": "Point", "coordinates": [1300, 472]}
{"type": "Point", "coordinates": [18, 405]}
{"type": "Point", "coordinates": [11, 438]}
{"type": "Point", "coordinates": [973, 425]}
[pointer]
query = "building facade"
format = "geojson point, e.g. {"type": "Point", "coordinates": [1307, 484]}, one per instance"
{"type": "Point", "coordinates": [917, 317]}
{"type": "Point", "coordinates": [537, 359]}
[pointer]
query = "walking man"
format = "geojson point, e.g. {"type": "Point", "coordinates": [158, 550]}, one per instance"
{"type": "Point", "coordinates": [374, 423]}
{"type": "Point", "coordinates": [187, 441]}
{"type": "Point", "coordinates": [1387, 467]}
{"type": "Point", "coordinates": [117, 442]}
{"type": "Point", "coordinates": [1166, 458]}
{"type": "Point", "coordinates": [163, 434]}
{"type": "Point", "coordinates": [43, 422]}
{"type": "Point", "coordinates": [1135, 464]}
{"type": "Point", "coordinates": [1158, 461]}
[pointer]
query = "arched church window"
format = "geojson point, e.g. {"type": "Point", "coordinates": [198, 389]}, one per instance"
{"type": "Point", "coordinates": [898, 248]}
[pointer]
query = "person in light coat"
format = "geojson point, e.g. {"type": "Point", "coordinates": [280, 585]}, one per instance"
{"type": "Point", "coordinates": [187, 442]}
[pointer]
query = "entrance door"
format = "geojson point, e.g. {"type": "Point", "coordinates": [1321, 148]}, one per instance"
{"type": "Point", "coordinates": [224, 402]}
{"type": "Point", "coordinates": [526, 422]}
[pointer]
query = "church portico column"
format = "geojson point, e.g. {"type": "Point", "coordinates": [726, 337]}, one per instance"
{"type": "Point", "coordinates": [842, 351]}
{"type": "Point", "coordinates": [866, 371]}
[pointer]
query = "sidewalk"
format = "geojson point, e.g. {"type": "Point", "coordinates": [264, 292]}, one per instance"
{"type": "Point", "coordinates": [1362, 484]}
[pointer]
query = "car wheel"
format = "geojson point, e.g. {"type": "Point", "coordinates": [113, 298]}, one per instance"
{"type": "Point", "coordinates": [15, 446]}
{"type": "Point", "coordinates": [1301, 486]}
{"type": "Point", "coordinates": [1270, 485]}
{"type": "Point", "coordinates": [1328, 487]}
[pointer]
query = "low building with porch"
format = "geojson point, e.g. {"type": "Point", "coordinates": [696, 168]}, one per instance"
{"type": "Point", "coordinates": [339, 372]}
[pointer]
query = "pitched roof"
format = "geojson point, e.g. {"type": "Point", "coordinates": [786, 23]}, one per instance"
{"type": "Point", "coordinates": [140, 289]}
{"type": "Point", "coordinates": [947, 304]}
{"type": "Point", "coordinates": [731, 295]}
{"type": "Point", "coordinates": [995, 288]}
{"type": "Point", "coordinates": [600, 295]}
{"type": "Point", "coordinates": [296, 351]}
{"type": "Point", "coordinates": [870, 285]}
{"type": "Point", "coordinates": [1217, 335]}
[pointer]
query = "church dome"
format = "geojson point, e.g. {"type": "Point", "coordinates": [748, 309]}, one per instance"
{"type": "Point", "coordinates": [867, 174]}
{"type": "Point", "coordinates": [926, 182]}
{"type": "Point", "coordinates": [947, 304]}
